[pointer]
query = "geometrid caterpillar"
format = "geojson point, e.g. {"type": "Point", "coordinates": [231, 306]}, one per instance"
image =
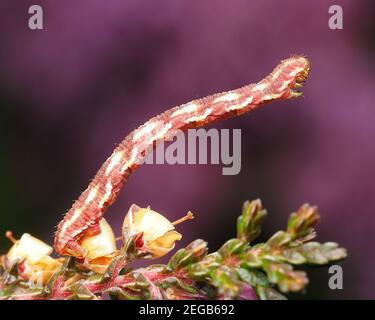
{"type": "Point", "coordinates": [86, 212]}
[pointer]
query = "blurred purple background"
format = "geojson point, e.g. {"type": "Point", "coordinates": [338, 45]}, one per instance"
{"type": "Point", "coordinates": [99, 69]}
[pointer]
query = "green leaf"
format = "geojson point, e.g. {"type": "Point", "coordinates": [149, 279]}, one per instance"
{"type": "Point", "coordinates": [82, 293]}
{"type": "Point", "coordinates": [268, 293]}
{"type": "Point", "coordinates": [225, 279]}
{"type": "Point", "coordinates": [292, 256]}
{"type": "Point", "coordinates": [181, 258]}
{"type": "Point", "coordinates": [249, 223]}
{"type": "Point", "coordinates": [285, 277]}
{"type": "Point", "coordinates": [232, 247]}
{"type": "Point", "coordinates": [317, 253]}
{"type": "Point", "coordinates": [195, 251]}
{"type": "Point", "coordinates": [279, 239]}
{"type": "Point", "coordinates": [302, 222]}
{"type": "Point", "coordinates": [250, 259]}
{"type": "Point", "coordinates": [253, 277]}
{"type": "Point", "coordinates": [333, 252]}
{"type": "Point", "coordinates": [121, 294]}
{"type": "Point", "coordinates": [202, 269]}
{"type": "Point", "coordinates": [173, 281]}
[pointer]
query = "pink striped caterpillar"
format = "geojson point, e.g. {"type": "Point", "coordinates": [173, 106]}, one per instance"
{"type": "Point", "coordinates": [84, 216]}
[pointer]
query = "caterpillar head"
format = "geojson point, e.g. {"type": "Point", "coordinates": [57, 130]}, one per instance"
{"type": "Point", "coordinates": [296, 72]}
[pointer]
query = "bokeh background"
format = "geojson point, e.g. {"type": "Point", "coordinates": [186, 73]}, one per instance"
{"type": "Point", "coordinates": [99, 69]}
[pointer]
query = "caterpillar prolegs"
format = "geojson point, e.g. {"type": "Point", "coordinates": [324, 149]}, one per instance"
{"type": "Point", "coordinates": [84, 216]}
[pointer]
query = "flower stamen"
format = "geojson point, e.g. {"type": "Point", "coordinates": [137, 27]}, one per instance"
{"type": "Point", "coordinates": [9, 235]}
{"type": "Point", "coordinates": [188, 216]}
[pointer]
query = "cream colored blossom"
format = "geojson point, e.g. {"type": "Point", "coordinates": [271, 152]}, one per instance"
{"type": "Point", "coordinates": [101, 248]}
{"type": "Point", "coordinates": [33, 258]}
{"type": "Point", "coordinates": [29, 248]}
{"type": "Point", "coordinates": [158, 233]}
{"type": "Point", "coordinates": [101, 244]}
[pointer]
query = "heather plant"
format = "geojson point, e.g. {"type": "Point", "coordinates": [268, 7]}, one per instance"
{"type": "Point", "coordinates": [240, 269]}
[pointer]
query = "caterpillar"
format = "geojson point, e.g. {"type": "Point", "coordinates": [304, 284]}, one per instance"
{"type": "Point", "coordinates": [83, 218]}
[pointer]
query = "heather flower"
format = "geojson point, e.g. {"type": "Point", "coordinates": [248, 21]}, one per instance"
{"type": "Point", "coordinates": [101, 248]}
{"type": "Point", "coordinates": [158, 235]}
{"type": "Point", "coordinates": [33, 260]}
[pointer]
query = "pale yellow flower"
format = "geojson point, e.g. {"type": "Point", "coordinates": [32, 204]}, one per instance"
{"type": "Point", "coordinates": [33, 258]}
{"type": "Point", "coordinates": [101, 248]}
{"type": "Point", "coordinates": [158, 233]}
{"type": "Point", "coordinates": [43, 270]}
{"type": "Point", "coordinates": [29, 248]}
